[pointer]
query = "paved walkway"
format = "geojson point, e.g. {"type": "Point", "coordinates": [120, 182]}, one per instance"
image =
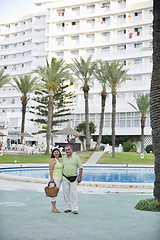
{"type": "Point", "coordinates": [26, 215]}
{"type": "Point", "coordinates": [94, 158]}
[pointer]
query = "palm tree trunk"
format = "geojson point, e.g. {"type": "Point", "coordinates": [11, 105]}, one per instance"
{"type": "Point", "coordinates": [155, 97]}
{"type": "Point", "coordinates": [103, 103]}
{"type": "Point", "coordinates": [142, 136]}
{"type": "Point", "coordinates": [49, 124]}
{"type": "Point", "coordinates": [23, 121]}
{"type": "Point", "coordinates": [113, 122]}
{"type": "Point", "coordinates": [87, 120]}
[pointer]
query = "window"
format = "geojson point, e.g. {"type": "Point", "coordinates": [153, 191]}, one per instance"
{"type": "Point", "coordinates": [75, 38]}
{"type": "Point", "coordinates": [91, 7]}
{"type": "Point", "coordinates": [121, 95]}
{"type": "Point", "coordinates": [107, 121]}
{"type": "Point", "coordinates": [105, 5]}
{"type": "Point", "coordinates": [121, 32]}
{"type": "Point", "coordinates": [15, 45]}
{"type": "Point", "coordinates": [60, 41]}
{"type": "Point", "coordinates": [6, 46]}
{"type": "Point", "coordinates": [122, 62]}
{"type": "Point", "coordinates": [121, 47]}
{"type": "Point", "coordinates": [76, 10]}
{"type": "Point", "coordinates": [121, 2]}
{"type": "Point", "coordinates": [59, 54]}
{"type": "Point", "coordinates": [120, 17]}
{"type": "Point", "coordinates": [91, 22]}
{"type": "Point", "coordinates": [90, 37]}
{"type": "Point", "coordinates": [76, 52]}
{"type": "Point", "coordinates": [105, 49]}
{"type": "Point", "coordinates": [105, 19]}
{"type": "Point", "coordinates": [75, 24]}
{"type": "Point", "coordinates": [138, 61]}
{"type": "Point", "coordinates": [90, 51]}
{"type": "Point", "coordinates": [61, 12]}
{"type": "Point", "coordinates": [138, 14]}
{"type": "Point", "coordinates": [151, 11]}
{"type": "Point", "coordinates": [106, 34]}
{"type": "Point", "coordinates": [138, 45]}
{"type": "Point", "coordinates": [137, 78]}
{"type": "Point", "coordinates": [138, 31]}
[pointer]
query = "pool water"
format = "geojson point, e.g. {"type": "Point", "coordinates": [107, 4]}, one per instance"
{"type": "Point", "coordinates": [94, 174]}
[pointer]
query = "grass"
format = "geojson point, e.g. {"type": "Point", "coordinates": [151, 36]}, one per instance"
{"type": "Point", "coordinates": [8, 158]}
{"type": "Point", "coordinates": [127, 158]}
{"type": "Point", "coordinates": [120, 158]}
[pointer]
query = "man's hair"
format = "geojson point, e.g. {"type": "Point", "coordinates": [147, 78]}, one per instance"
{"type": "Point", "coordinates": [69, 146]}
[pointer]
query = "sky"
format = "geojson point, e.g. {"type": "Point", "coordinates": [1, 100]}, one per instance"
{"type": "Point", "coordinates": [15, 8]}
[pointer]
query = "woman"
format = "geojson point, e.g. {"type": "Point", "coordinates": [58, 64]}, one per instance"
{"type": "Point", "coordinates": [55, 170]}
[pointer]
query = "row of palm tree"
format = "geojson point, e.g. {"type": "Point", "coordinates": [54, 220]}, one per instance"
{"type": "Point", "coordinates": [109, 75]}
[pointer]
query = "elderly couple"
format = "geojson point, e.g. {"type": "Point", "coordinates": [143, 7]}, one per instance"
{"type": "Point", "coordinates": [64, 170]}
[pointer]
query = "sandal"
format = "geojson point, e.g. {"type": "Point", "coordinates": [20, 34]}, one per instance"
{"type": "Point", "coordinates": [55, 210]}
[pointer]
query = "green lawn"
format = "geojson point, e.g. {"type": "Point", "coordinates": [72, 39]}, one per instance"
{"type": "Point", "coordinates": [8, 158]}
{"type": "Point", "coordinates": [120, 158]}
{"type": "Point", "coordinates": [127, 158]}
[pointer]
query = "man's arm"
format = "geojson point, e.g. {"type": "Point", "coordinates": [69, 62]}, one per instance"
{"type": "Point", "coordinates": [80, 175]}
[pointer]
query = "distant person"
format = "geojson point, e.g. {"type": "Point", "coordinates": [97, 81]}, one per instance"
{"type": "Point", "coordinates": [71, 164]}
{"type": "Point", "coordinates": [55, 172]}
{"type": "Point", "coordinates": [1, 145]}
{"type": "Point", "coordinates": [42, 145]}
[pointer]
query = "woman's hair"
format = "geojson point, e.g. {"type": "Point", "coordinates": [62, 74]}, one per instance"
{"type": "Point", "coordinates": [55, 149]}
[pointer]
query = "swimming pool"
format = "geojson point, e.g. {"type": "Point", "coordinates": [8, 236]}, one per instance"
{"type": "Point", "coordinates": [93, 174]}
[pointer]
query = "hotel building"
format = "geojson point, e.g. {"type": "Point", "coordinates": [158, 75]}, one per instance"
{"type": "Point", "coordinates": [108, 30]}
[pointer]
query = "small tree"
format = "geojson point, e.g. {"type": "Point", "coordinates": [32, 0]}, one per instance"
{"type": "Point", "coordinates": [25, 85]}
{"type": "Point", "coordinates": [143, 102]}
{"type": "Point", "coordinates": [82, 129]}
{"type": "Point", "coordinates": [51, 75]}
{"type": "Point", "coordinates": [115, 77]}
{"type": "Point", "coordinates": [100, 74]}
{"type": "Point", "coordinates": [83, 70]}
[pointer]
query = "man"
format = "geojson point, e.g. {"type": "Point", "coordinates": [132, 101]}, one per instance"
{"type": "Point", "coordinates": [71, 164]}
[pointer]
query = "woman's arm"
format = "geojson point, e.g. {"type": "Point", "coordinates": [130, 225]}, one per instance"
{"type": "Point", "coordinates": [51, 167]}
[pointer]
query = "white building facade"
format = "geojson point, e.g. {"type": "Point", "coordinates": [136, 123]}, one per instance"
{"type": "Point", "coordinates": [108, 30]}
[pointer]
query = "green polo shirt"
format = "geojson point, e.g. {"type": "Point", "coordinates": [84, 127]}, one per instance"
{"type": "Point", "coordinates": [71, 165]}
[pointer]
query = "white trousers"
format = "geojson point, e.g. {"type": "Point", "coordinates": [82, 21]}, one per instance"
{"type": "Point", "coordinates": [58, 182]}
{"type": "Point", "coordinates": [70, 195]}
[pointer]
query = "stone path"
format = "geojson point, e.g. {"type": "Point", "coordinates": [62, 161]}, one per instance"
{"type": "Point", "coordinates": [94, 158]}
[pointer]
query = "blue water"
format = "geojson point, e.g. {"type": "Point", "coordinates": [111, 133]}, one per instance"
{"type": "Point", "coordinates": [94, 174]}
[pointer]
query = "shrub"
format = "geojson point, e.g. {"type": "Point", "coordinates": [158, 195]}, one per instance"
{"type": "Point", "coordinates": [127, 146]}
{"type": "Point", "coordinates": [102, 147]}
{"type": "Point", "coordinates": [149, 148]}
{"type": "Point", "coordinates": [148, 205]}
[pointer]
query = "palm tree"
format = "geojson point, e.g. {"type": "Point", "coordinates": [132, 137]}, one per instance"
{"type": "Point", "coordinates": [4, 78]}
{"type": "Point", "coordinates": [115, 76]}
{"type": "Point", "coordinates": [52, 75]}
{"type": "Point", "coordinates": [155, 97]}
{"type": "Point", "coordinates": [100, 74]}
{"type": "Point", "coordinates": [83, 70]}
{"type": "Point", "coordinates": [25, 85]}
{"type": "Point", "coordinates": [142, 101]}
